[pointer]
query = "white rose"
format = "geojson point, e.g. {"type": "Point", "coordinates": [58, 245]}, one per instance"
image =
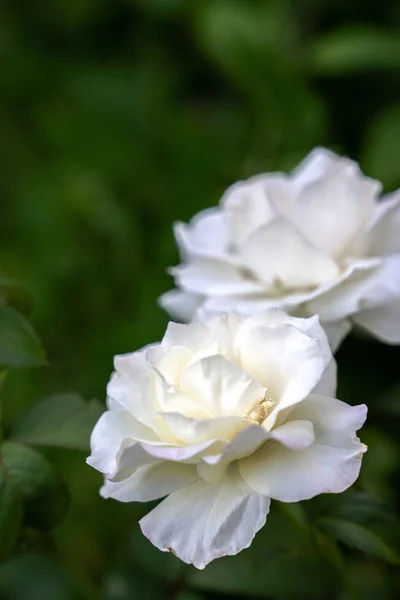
{"type": "Point", "coordinates": [220, 417]}
{"type": "Point", "coordinates": [317, 241]}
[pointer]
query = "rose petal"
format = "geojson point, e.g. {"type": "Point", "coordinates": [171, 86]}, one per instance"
{"type": "Point", "coordinates": [150, 482]}
{"type": "Point", "coordinates": [345, 298]}
{"type": "Point", "coordinates": [336, 332]}
{"type": "Point", "coordinates": [284, 360]}
{"type": "Point", "coordinates": [284, 259]}
{"type": "Point", "coordinates": [383, 238]}
{"type": "Point", "coordinates": [383, 322]}
{"type": "Point", "coordinates": [212, 277]}
{"type": "Point", "coordinates": [336, 201]}
{"type": "Point", "coordinates": [126, 384]}
{"type": "Point", "coordinates": [319, 163]}
{"type": "Point", "coordinates": [311, 327]}
{"type": "Point", "coordinates": [221, 386]}
{"type": "Point", "coordinates": [248, 205]}
{"type": "Point", "coordinates": [193, 431]}
{"type": "Point", "coordinates": [180, 305]}
{"type": "Point", "coordinates": [328, 383]}
{"type": "Point", "coordinates": [170, 362]}
{"type": "Point", "coordinates": [295, 435]}
{"type": "Point", "coordinates": [331, 464]}
{"type": "Point", "coordinates": [186, 454]}
{"type": "Point", "coordinates": [110, 432]}
{"type": "Point", "coordinates": [195, 336]}
{"type": "Point", "coordinates": [205, 521]}
{"type": "Point", "coordinates": [207, 235]}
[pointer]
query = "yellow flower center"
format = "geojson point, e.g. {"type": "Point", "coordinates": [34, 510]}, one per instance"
{"type": "Point", "coordinates": [261, 411]}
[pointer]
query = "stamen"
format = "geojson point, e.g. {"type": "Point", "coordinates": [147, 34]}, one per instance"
{"type": "Point", "coordinates": [261, 411]}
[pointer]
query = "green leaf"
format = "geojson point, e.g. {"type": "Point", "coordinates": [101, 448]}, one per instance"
{"type": "Point", "coordinates": [281, 547]}
{"type": "Point", "coordinates": [62, 420]}
{"type": "Point", "coordinates": [351, 49]}
{"type": "Point", "coordinates": [358, 536]}
{"type": "Point", "coordinates": [43, 493]}
{"type": "Point", "coordinates": [382, 147]}
{"type": "Point", "coordinates": [10, 512]}
{"type": "Point", "coordinates": [309, 576]}
{"type": "Point", "coordinates": [14, 294]}
{"type": "Point", "coordinates": [34, 577]}
{"type": "Point", "coordinates": [19, 344]}
{"type": "Point", "coordinates": [127, 583]}
{"type": "Point", "coordinates": [161, 565]}
{"type": "Point", "coordinates": [357, 507]}
{"type": "Point", "coordinates": [367, 581]}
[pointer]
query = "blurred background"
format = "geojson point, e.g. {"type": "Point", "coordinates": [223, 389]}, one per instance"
{"type": "Point", "coordinates": [117, 118]}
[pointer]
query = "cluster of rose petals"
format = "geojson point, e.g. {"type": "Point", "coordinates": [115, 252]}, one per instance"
{"type": "Point", "coordinates": [317, 241]}
{"type": "Point", "coordinates": [220, 417]}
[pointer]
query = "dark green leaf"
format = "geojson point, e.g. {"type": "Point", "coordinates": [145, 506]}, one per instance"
{"type": "Point", "coordinates": [367, 581]}
{"type": "Point", "coordinates": [356, 507]}
{"type": "Point", "coordinates": [62, 420]}
{"type": "Point", "coordinates": [358, 536]}
{"type": "Point", "coordinates": [10, 512]}
{"type": "Point", "coordinates": [43, 493]}
{"type": "Point", "coordinates": [354, 49]}
{"type": "Point", "coordinates": [30, 577]}
{"type": "Point", "coordinates": [126, 583]}
{"type": "Point", "coordinates": [382, 146]}
{"type": "Point", "coordinates": [19, 344]}
{"type": "Point", "coordinates": [162, 565]}
{"type": "Point", "coordinates": [15, 294]}
{"type": "Point", "coordinates": [188, 595]}
{"type": "Point", "coordinates": [283, 576]}
{"type": "Point", "coordinates": [281, 547]}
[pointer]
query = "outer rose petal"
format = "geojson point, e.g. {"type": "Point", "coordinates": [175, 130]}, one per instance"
{"type": "Point", "coordinates": [205, 521]}
{"type": "Point", "coordinates": [206, 235]}
{"type": "Point", "coordinates": [383, 322]}
{"type": "Point", "coordinates": [195, 336]}
{"type": "Point", "coordinates": [212, 277]}
{"type": "Point", "coordinates": [150, 482]}
{"type": "Point", "coordinates": [317, 164]}
{"type": "Point", "coordinates": [180, 305]}
{"type": "Point", "coordinates": [384, 238]}
{"type": "Point", "coordinates": [332, 301]}
{"type": "Point", "coordinates": [328, 383]}
{"type": "Point", "coordinates": [294, 435]}
{"type": "Point", "coordinates": [379, 309]}
{"type": "Point", "coordinates": [170, 362]}
{"type": "Point", "coordinates": [335, 202]}
{"type": "Point", "coordinates": [330, 465]}
{"type": "Point", "coordinates": [311, 327]}
{"type": "Point", "coordinates": [336, 333]}
{"type": "Point", "coordinates": [126, 383]}
{"type": "Point", "coordinates": [345, 298]}
{"type": "Point", "coordinates": [385, 285]}
{"type": "Point", "coordinates": [110, 432]}
{"type": "Point", "coordinates": [248, 206]}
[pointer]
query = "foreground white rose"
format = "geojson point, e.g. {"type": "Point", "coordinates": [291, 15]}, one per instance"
{"type": "Point", "coordinates": [223, 416]}
{"type": "Point", "coordinates": [317, 241]}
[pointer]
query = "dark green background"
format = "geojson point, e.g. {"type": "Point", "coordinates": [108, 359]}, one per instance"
{"type": "Point", "coordinates": [119, 117]}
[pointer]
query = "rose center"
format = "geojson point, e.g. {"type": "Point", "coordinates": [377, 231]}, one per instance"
{"type": "Point", "coordinates": [260, 412]}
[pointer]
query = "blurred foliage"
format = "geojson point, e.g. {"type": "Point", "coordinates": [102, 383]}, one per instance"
{"type": "Point", "coordinates": [118, 118]}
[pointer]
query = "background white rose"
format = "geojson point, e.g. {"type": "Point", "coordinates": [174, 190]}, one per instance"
{"type": "Point", "coordinates": [223, 416]}
{"type": "Point", "coordinates": [317, 241]}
